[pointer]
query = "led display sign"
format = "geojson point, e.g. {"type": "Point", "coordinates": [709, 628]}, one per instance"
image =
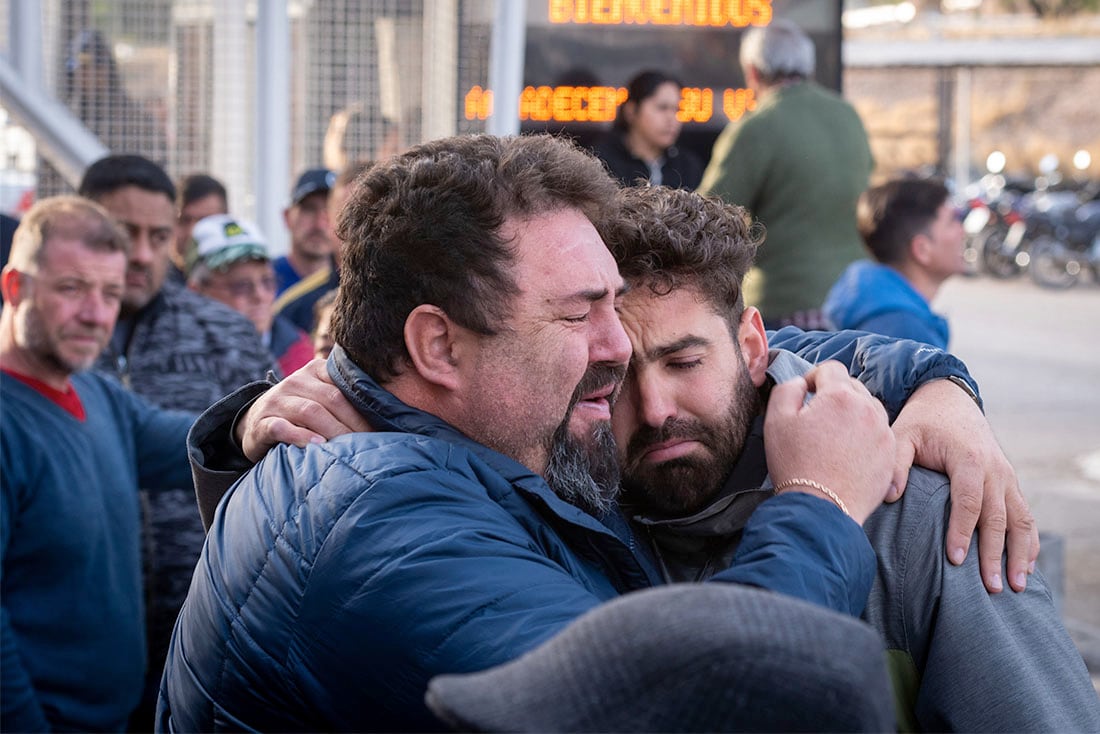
{"type": "Point", "coordinates": [736, 13]}
{"type": "Point", "coordinates": [580, 54]}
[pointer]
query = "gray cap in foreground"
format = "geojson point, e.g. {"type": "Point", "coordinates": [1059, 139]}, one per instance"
{"type": "Point", "coordinates": [681, 658]}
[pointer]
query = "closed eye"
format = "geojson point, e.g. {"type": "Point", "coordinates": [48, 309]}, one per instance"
{"type": "Point", "coordinates": [686, 364]}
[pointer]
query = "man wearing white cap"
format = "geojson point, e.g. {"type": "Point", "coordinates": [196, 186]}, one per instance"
{"type": "Point", "coordinates": [228, 261]}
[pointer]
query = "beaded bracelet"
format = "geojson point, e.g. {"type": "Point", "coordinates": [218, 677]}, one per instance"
{"type": "Point", "coordinates": [816, 485]}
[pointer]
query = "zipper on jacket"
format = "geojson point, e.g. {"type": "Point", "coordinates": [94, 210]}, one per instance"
{"type": "Point", "coordinates": [122, 359]}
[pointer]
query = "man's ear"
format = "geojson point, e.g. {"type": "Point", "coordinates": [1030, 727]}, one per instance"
{"type": "Point", "coordinates": [753, 341]}
{"type": "Point", "coordinates": [430, 338]}
{"type": "Point", "coordinates": [630, 111]}
{"type": "Point", "coordinates": [11, 284]}
{"type": "Point", "coordinates": [752, 76]}
{"type": "Point", "coordinates": [920, 248]}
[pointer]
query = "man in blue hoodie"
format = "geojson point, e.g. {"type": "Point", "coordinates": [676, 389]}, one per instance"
{"type": "Point", "coordinates": [916, 238]}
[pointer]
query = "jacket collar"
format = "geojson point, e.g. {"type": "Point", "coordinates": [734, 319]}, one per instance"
{"type": "Point", "coordinates": [386, 412]}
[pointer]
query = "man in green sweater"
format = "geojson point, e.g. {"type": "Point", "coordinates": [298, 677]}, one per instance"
{"type": "Point", "coordinates": [798, 162]}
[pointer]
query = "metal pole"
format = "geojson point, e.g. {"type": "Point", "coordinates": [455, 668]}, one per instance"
{"type": "Point", "coordinates": [506, 57]}
{"type": "Point", "coordinates": [272, 147]}
{"type": "Point", "coordinates": [439, 90]}
{"type": "Point", "coordinates": [59, 136]}
{"type": "Point", "coordinates": [230, 131]}
{"type": "Point", "coordinates": [963, 78]}
{"type": "Point", "coordinates": [944, 137]}
{"type": "Point", "coordinates": [25, 40]}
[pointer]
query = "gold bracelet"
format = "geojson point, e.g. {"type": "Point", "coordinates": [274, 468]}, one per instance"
{"type": "Point", "coordinates": [816, 485]}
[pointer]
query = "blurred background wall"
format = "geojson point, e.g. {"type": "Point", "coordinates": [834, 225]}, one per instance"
{"type": "Point", "coordinates": [939, 84]}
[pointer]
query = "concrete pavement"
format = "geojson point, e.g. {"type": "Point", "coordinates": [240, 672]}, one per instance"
{"type": "Point", "coordinates": [1036, 356]}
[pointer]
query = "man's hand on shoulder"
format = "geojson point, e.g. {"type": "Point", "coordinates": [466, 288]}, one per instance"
{"type": "Point", "coordinates": [304, 408]}
{"type": "Point", "coordinates": [942, 428]}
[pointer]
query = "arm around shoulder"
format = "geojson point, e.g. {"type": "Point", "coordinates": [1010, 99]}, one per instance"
{"type": "Point", "coordinates": [805, 547]}
{"type": "Point", "coordinates": [891, 369]}
{"type": "Point", "coordinates": [216, 459]}
{"type": "Point", "coordinates": [906, 325]}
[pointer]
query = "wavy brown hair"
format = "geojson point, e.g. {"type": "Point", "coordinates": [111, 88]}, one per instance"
{"type": "Point", "coordinates": [424, 228]}
{"type": "Point", "coordinates": [64, 218]}
{"type": "Point", "coordinates": [665, 238]}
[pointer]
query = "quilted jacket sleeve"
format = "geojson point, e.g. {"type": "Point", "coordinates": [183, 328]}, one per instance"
{"type": "Point", "coordinates": [892, 369]}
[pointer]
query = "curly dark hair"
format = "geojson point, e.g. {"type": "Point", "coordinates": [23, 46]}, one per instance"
{"type": "Point", "coordinates": [665, 238]}
{"type": "Point", "coordinates": [424, 228]}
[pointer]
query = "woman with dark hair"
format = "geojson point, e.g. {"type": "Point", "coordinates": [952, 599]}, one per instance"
{"type": "Point", "coordinates": [642, 141]}
{"type": "Point", "coordinates": [95, 91]}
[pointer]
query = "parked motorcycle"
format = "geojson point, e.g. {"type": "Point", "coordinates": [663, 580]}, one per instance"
{"type": "Point", "coordinates": [1062, 232]}
{"type": "Point", "coordinates": [1057, 220]}
{"type": "Point", "coordinates": [993, 222]}
{"type": "Point", "coordinates": [1068, 246]}
{"type": "Point", "coordinates": [1001, 241]}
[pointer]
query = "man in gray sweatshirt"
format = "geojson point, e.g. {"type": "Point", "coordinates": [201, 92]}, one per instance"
{"type": "Point", "coordinates": [690, 430]}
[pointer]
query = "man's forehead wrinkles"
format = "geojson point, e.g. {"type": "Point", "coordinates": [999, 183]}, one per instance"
{"type": "Point", "coordinates": [143, 225]}
{"type": "Point", "coordinates": [585, 295]}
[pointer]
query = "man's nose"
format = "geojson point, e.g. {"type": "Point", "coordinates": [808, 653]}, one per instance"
{"type": "Point", "coordinates": [96, 310]}
{"type": "Point", "coordinates": [610, 343]}
{"type": "Point", "coordinates": [262, 292]}
{"type": "Point", "coordinates": [141, 248]}
{"type": "Point", "coordinates": [653, 403]}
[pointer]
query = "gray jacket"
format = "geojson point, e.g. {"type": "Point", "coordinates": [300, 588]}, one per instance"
{"type": "Point", "coordinates": [183, 351]}
{"type": "Point", "coordinates": [961, 659]}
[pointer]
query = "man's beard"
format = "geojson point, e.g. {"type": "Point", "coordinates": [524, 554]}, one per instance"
{"type": "Point", "coordinates": [685, 485]}
{"type": "Point", "coordinates": [37, 340]}
{"type": "Point", "coordinates": [135, 299]}
{"type": "Point", "coordinates": [584, 470]}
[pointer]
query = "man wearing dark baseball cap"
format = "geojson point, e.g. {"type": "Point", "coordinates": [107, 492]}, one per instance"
{"type": "Point", "coordinates": [311, 239]}
{"type": "Point", "coordinates": [297, 302]}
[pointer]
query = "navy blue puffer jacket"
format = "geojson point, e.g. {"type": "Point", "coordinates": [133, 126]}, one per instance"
{"type": "Point", "coordinates": [338, 579]}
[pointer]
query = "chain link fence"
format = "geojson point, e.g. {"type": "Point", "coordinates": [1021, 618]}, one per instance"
{"type": "Point", "coordinates": [175, 80]}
